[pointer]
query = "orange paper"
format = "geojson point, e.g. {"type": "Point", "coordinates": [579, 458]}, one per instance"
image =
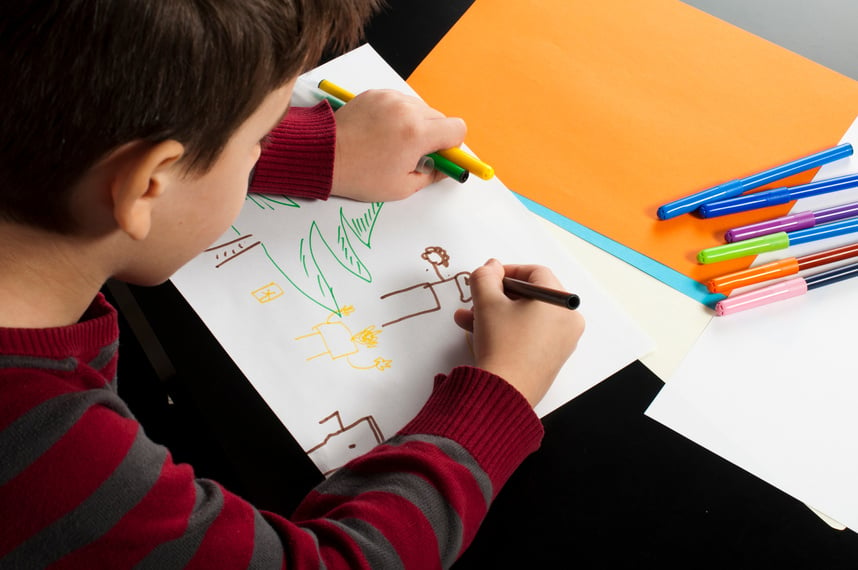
{"type": "Point", "coordinates": [602, 111]}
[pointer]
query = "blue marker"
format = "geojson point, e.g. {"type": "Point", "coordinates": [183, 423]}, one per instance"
{"type": "Point", "coordinates": [776, 196]}
{"type": "Point", "coordinates": [736, 187]}
{"type": "Point", "coordinates": [776, 241]}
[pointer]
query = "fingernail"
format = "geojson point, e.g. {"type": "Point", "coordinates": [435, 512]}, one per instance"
{"type": "Point", "coordinates": [425, 165]}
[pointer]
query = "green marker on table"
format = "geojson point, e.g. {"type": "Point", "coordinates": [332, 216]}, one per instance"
{"type": "Point", "coordinates": [753, 246]}
{"type": "Point", "coordinates": [776, 241]}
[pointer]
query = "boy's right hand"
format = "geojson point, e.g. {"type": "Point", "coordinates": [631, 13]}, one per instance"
{"type": "Point", "coordinates": [523, 341]}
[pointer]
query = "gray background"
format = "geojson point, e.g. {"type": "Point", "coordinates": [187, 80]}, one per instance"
{"type": "Point", "coordinates": [825, 31]}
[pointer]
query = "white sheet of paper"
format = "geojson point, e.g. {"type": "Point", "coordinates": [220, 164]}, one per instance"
{"type": "Point", "coordinates": [298, 295]}
{"type": "Point", "coordinates": [773, 389]}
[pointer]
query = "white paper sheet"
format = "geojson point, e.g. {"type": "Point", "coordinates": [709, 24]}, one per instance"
{"type": "Point", "coordinates": [774, 390]}
{"type": "Point", "coordinates": [297, 295]}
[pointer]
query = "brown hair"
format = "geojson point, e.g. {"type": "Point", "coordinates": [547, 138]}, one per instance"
{"type": "Point", "coordinates": [86, 76]}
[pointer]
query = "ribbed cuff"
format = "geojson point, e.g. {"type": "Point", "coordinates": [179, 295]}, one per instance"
{"type": "Point", "coordinates": [486, 415]}
{"type": "Point", "coordinates": [298, 159]}
{"type": "Point", "coordinates": [98, 328]}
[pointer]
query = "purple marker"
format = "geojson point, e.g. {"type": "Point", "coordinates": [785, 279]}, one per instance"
{"type": "Point", "coordinates": [792, 222]}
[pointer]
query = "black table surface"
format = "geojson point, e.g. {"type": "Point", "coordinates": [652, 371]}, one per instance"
{"type": "Point", "coordinates": [608, 488]}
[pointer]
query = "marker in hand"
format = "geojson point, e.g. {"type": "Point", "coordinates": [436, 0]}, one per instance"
{"type": "Point", "coordinates": [454, 162]}
{"type": "Point", "coordinates": [545, 294]}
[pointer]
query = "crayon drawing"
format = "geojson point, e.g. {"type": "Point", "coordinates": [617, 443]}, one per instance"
{"type": "Point", "coordinates": [345, 443]}
{"type": "Point", "coordinates": [437, 258]}
{"type": "Point", "coordinates": [230, 250]}
{"type": "Point", "coordinates": [306, 272]}
{"type": "Point", "coordinates": [330, 256]}
{"type": "Point", "coordinates": [339, 342]}
{"type": "Point", "coordinates": [268, 202]}
{"type": "Point", "coordinates": [268, 293]}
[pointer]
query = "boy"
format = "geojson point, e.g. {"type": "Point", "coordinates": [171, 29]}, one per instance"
{"type": "Point", "coordinates": [126, 149]}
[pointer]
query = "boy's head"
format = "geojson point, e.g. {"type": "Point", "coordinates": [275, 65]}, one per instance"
{"type": "Point", "coordinates": [85, 77]}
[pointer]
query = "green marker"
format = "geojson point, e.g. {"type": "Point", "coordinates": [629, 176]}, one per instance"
{"type": "Point", "coordinates": [449, 167]}
{"type": "Point", "coordinates": [780, 240]}
{"type": "Point", "coordinates": [438, 162]}
{"type": "Point", "coordinates": [753, 246]}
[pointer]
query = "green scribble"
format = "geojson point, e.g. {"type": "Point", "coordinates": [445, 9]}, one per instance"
{"type": "Point", "coordinates": [345, 254]}
{"type": "Point", "coordinates": [328, 300]}
{"type": "Point", "coordinates": [311, 246]}
{"type": "Point", "coordinates": [264, 201]}
{"type": "Point", "coordinates": [362, 226]}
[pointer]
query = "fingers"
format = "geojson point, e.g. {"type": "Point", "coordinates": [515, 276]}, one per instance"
{"type": "Point", "coordinates": [525, 342]}
{"type": "Point", "coordinates": [536, 274]}
{"type": "Point", "coordinates": [465, 319]}
{"type": "Point", "coordinates": [487, 282]}
{"type": "Point", "coordinates": [420, 125]}
{"type": "Point", "coordinates": [444, 133]}
{"type": "Point", "coordinates": [381, 137]}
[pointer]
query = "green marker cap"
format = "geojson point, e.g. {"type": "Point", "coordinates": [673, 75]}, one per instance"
{"type": "Point", "coordinates": [753, 246]}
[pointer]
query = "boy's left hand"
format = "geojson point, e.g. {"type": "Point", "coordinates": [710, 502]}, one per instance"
{"type": "Point", "coordinates": [381, 136]}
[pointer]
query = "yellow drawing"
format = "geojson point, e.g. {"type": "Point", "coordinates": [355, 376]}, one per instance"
{"type": "Point", "coordinates": [340, 342]}
{"type": "Point", "coordinates": [268, 292]}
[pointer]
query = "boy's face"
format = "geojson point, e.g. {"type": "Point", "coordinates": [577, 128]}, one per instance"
{"type": "Point", "coordinates": [195, 210]}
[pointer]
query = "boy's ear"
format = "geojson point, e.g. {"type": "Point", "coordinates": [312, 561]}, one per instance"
{"type": "Point", "coordinates": [142, 177]}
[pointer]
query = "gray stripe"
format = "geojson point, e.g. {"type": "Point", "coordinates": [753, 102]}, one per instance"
{"type": "Point", "coordinates": [177, 553]}
{"type": "Point", "coordinates": [267, 548]}
{"type": "Point", "coordinates": [121, 492]}
{"type": "Point", "coordinates": [322, 565]}
{"type": "Point", "coordinates": [13, 361]}
{"type": "Point", "coordinates": [442, 517]}
{"type": "Point", "coordinates": [457, 453]}
{"type": "Point", "coordinates": [104, 356]}
{"type": "Point", "coordinates": [28, 437]}
{"type": "Point", "coordinates": [375, 547]}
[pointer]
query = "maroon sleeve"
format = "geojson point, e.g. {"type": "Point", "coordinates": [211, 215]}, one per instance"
{"type": "Point", "coordinates": [298, 158]}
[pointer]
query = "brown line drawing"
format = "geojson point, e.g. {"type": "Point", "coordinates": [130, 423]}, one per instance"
{"type": "Point", "coordinates": [218, 246]}
{"type": "Point", "coordinates": [437, 258]}
{"type": "Point", "coordinates": [230, 254]}
{"type": "Point", "coordinates": [352, 447]}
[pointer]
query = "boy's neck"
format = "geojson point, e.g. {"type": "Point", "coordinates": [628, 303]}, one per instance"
{"type": "Point", "coordinates": [47, 280]}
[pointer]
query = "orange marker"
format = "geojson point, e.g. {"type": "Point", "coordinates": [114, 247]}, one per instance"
{"type": "Point", "coordinates": [782, 268]}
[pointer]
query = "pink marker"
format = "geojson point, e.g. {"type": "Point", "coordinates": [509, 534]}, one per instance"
{"type": "Point", "coordinates": [784, 290]}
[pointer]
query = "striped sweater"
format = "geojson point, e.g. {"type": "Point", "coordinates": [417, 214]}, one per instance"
{"type": "Point", "coordinates": [81, 486]}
